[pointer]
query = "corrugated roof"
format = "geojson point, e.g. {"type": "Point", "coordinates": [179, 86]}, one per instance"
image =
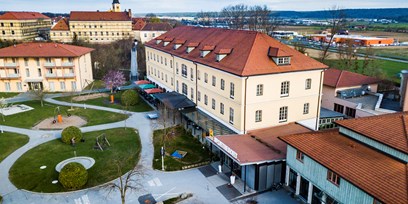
{"type": "Point", "coordinates": [99, 16]}
{"type": "Point", "coordinates": [22, 16]}
{"type": "Point", "coordinates": [250, 55]}
{"type": "Point", "coordinates": [341, 78]}
{"type": "Point", "coordinates": [157, 27]}
{"type": "Point", "coordinates": [61, 25]}
{"type": "Point", "coordinates": [389, 129]}
{"type": "Point", "coordinates": [375, 173]}
{"type": "Point", "coordinates": [44, 50]}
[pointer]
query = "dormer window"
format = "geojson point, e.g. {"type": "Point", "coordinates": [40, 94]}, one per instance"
{"type": "Point", "coordinates": [167, 41]}
{"type": "Point", "coordinates": [165, 44]}
{"type": "Point", "coordinates": [176, 46]}
{"type": "Point", "coordinates": [206, 50]}
{"type": "Point", "coordinates": [158, 42]}
{"type": "Point", "coordinates": [191, 46]}
{"type": "Point", "coordinates": [222, 53]}
{"type": "Point", "coordinates": [189, 49]}
{"type": "Point", "coordinates": [279, 56]}
{"type": "Point", "coordinates": [178, 43]}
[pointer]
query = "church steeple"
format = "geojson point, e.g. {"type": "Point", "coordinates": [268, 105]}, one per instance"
{"type": "Point", "coordinates": [115, 6]}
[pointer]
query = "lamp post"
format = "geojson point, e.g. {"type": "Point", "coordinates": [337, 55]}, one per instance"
{"type": "Point", "coordinates": [162, 152]}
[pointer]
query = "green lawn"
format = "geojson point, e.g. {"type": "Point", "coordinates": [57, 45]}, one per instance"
{"type": "Point", "coordinates": [181, 140]}
{"type": "Point", "coordinates": [8, 94]}
{"type": "Point", "coordinates": [97, 84]}
{"type": "Point", "coordinates": [31, 118]}
{"type": "Point", "coordinates": [10, 142]}
{"type": "Point", "coordinates": [125, 146]}
{"type": "Point", "coordinates": [394, 52]}
{"type": "Point", "coordinates": [105, 102]}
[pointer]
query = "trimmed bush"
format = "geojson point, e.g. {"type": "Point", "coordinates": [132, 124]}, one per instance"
{"type": "Point", "coordinates": [73, 176]}
{"type": "Point", "coordinates": [130, 98]}
{"type": "Point", "coordinates": [1, 199]}
{"type": "Point", "coordinates": [71, 132]}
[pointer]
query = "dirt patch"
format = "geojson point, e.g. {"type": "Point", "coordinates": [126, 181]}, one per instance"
{"type": "Point", "coordinates": [88, 97]}
{"type": "Point", "coordinates": [66, 121]}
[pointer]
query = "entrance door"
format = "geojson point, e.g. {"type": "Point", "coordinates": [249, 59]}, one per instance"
{"type": "Point", "coordinates": [35, 86]}
{"type": "Point", "coordinates": [304, 188]}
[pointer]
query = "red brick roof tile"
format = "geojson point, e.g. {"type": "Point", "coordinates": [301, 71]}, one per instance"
{"type": "Point", "coordinates": [342, 78]}
{"type": "Point", "coordinates": [389, 129]}
{"type": "Point", "coordinates": [62, 25]}
{"type": "Point", "coordinates": [276, 52]}
{"type": "Point", "coordinates": [44, 50]}
{"type": "Point", "coordinates": [99, 16]}
{"type": "Point", "coordinates": [22, 16]}
{"type": "Point", "coordinates": [157, 27]}
{"type": "Point", "coordinates": [250, 56]}
{"type": "Point", "coordinates": [375, 173]}
{"type": "Point", "coordinates": [138, 23]}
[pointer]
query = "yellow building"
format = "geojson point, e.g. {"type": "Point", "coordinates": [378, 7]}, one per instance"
{"type": "Point", "coordinates": [23, 26]}
{"type": "Point", "coordinates": [244, 79]}
{"type": "Point", "coordinates": [47, 66]}
{"type": "Point", "coordinates": [94, 26]}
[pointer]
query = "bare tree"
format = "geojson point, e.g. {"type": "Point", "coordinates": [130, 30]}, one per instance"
{"type": "Point", "coordinates": [206, 18]}
{"type": "Point", "coordinates": [260, 19]}
{"type": "Point", "coordinates": [39, 94]}
{"type": "Point", "coordinates": [3, 104]}
{"type": "Point", "coordinates": [126, 181]}
{"type": "Point", "coordinates": [235, 15]}
{"type": "Point", "coordinates": [338, 22]}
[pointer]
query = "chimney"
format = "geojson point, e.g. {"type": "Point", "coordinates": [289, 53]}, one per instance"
{"type": "Point", "coordinates": [130, 13]}
{"type": "Point", "coordinates": [403, 90]}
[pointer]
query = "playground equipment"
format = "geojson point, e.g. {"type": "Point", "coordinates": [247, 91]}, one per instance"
{"type": "Point", "coordinates": [103, 143]}
{"type": "Point", "coordinates": [58, 116]}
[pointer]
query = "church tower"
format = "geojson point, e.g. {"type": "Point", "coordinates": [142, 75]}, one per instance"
{"type": "Point", "coordinates": [115, 6]}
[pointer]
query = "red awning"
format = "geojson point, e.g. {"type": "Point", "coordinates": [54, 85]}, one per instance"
{"type": "Point", "coordinates": [153, 91]}
{"type": "Point", "coordinates": [142, 82]}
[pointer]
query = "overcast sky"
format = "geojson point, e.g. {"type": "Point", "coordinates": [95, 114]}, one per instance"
{"type": "Point", "coordinates": [162, 6]}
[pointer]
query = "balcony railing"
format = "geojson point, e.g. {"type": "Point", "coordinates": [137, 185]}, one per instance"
{"type": "Point", "coordinates": [11, 76]}
{"type": "Point", "coordinates": [48, 75]}
{"type": "Point", "coordinates": [67, 64]}
{"type": "Point", "coordinates": [10, 65]}
{"type": "Point", "coordinates": [69, 75]}
{"type": "Point", "coordinates": [49, 64]}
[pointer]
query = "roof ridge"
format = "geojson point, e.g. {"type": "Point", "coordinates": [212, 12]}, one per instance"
{"type": "Point", "coordinates": [250, 52]}
{"type": "Point", "coordinates": [63, 46]}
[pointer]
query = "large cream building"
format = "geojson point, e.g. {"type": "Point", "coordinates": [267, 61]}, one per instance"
{"type": "Point", "coordinates": [23, 26]}
{"type": "Point", "coordinates": [246, 80]}
{"type": "Point", "coordinates": [94, 26]}
{"type": "Point", "coordinates": [46, 66]}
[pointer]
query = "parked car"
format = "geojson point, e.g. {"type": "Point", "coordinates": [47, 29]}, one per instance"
{"type": "Point", "coordinates": [152, 116]}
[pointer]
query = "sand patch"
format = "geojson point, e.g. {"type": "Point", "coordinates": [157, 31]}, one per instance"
{"type": "Point", "coordinates": [88, 97]}
{"type": "Point", "coordinates": [66, 121]}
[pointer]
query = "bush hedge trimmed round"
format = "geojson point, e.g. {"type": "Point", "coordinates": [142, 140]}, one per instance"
{"type": "Point", "coordinates": [73, 176]}
{"type": "Point", "coordinates": [71, 132]}
{"type": "Point", "coordinates": [130, 98]}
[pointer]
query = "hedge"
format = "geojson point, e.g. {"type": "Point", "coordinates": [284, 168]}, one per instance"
{"type": "Point", "coordinates": [71, 132]}
{"type": "Point", "coordinates": [130, 98]}
{"type": "Point", "coordinates": [73, 176]}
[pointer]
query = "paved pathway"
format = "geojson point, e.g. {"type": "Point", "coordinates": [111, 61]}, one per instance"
{"type": "Point", "coordinates": [161, 185]}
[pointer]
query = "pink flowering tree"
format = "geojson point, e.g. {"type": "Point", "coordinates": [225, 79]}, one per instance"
{"type": "Point", "coordinates": [114, 78]}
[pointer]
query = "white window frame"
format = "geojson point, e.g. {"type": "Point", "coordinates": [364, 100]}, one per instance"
{"type": "Point", "coordinates": [231, 116]}
{"type": "Point", "coordinates": [285, 89]}
{"type": "Point", "coordinates": [222, 84]}
{"type": "Point", "coordinates": [222, 108]}
{"type": "Point", "coordinates": [283, 114]}
{"type": "Point", "coordinates": [232, 90]}
{"type": "Point", "coordinates": [306, 107]}
{"type": "Point", "coordinates": [259, 89]}
{"type": "Point", "coordinates": [308, 84]}
{"type": "Point", "coordinates": [258, 116]}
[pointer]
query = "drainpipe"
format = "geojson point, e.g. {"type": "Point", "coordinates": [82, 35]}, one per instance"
{"type": "Point", "coordinates": [245, 99]}
{"type": "Point", "coordinates": [80, 73]}
{"type": "Point", "coordinates": [319, 101]}
{"type": "Point", "coordinates": [196, 83]}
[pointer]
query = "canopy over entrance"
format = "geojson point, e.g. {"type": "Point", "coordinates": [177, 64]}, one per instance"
{"type": "Point", "coordinates": [174, 100]}
{"type": "Point", "coordinates": [206, 122]}
{"type": "Point", "coordinates": [146, 86]}
{"type": "Point", "coordinates": [142, 82]}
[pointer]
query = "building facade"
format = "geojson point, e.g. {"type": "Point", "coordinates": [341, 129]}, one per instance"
{"type": "Point", "coordinates": [23, 26]}
{"type": "Point", "coordinates": [245, 80]}
{"type": "Point", "coordinates": [46, 66]}
{"type": "Point", "coordinates": [151, 31]}
{"type": "Point", "coordinates": [364, 161]}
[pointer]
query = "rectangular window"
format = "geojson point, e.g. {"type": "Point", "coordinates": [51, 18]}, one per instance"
{"type": "Point", "coordinates": [205, 77]}
{"type": "Point", "coordinates": [214, 80]}
{"type": "Point", "coordinates": [171, 81]}
{"type": "Point", "coordinates": [198, 96]}
{"type": "Point", "coordinates": [283, 60]}
{"type": "Point", "coordinates": [213, 104]}
{"type": "Point", "coordinates": [52, 86]}
{"type": "Point", "coordinates": [177, 68]}
{"type": "Point", "coordinates": [165, 61]}
{"type": "Point", "coordinates": [19, 86]}
{"type": "Point", "coordinates": [171, 63]}
{"type": "Point", "coordinates": [38, 61]}
{"type": "Point", "coordinates": [161, 59]}
{"type": "Point", "coordinates": [306, 108]}
{"type": "Point", "coordinates": [333, 177]}
{"type": "Point", "coordinates": [39, 72]}
{"type": "Point", "coordinates": [285, 88]}
{"type": "Point", "coordinates": [222, 108]}
{"type": "Point", "coordinates": [198, 75]}
{"type": "Point", "coordinates": [192, 94]}
{"type": "Point", "coordinates": [177, 86]}
{"type": "Point", "coordinates": [191, 74]}
{"type": "Point", "coordinates": [62, 85]}
{"type": "Point", "coordinates": [259, 89]}
{"type": "Point", "coordinates": [27, 72]}
{"type": "Point", "coordinates": [283, 114]}
{"type": "Point", "coordinates": [232, 90]}
{"type": "Point", "coordinates": [338, 108]}
{"type": "Point", "coordinates": [299, 156]}
{"type": "Point", "coordinates": [7, 84]}
{"type": "Point", "coordinates": [258, 116]}
{"type": "Point", "coordinates": [222, 84]}
{"type": "Point", "coordinates": [205, 99]}
{"type": "Point", "coordinates": [231, 116]}
{"type": "Point", "coordinates": [26, 62]}
{"type": "Point", "coordinates": [73, 86]}
{"type": "Point", "coordinates": [308, 84]}
{"type": "Point", "coordinates": [351, 112]}
{"type": "Point", "coordinates": [184, 70]}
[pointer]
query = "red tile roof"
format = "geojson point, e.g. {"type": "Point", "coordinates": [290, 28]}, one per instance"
{"type": "Point", "coordinates": [157, 27]}
{"type": "Point", "coordinates": [138, 23]}
{"type": "Point", "coordinates": [99, 16]}
{"type": "Point", "coordinates": [261, 145]}
{"type": "Point", "coordinates": [389, 129]}
{"type": "Point", "coordinates": [276, 52]}
{"type": "Point", "coordinates": [342, 78]}
{"type": "Point", "coordinates": [61, 25]}
{"type": "Point", "coordinates": [250, 55]}
{"type": "Point", "coordinates": [23, 16]}
{"type": "Point", "coordinates": [377, 174]}
{"type": "Point", "coordinates": [44, 50]}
